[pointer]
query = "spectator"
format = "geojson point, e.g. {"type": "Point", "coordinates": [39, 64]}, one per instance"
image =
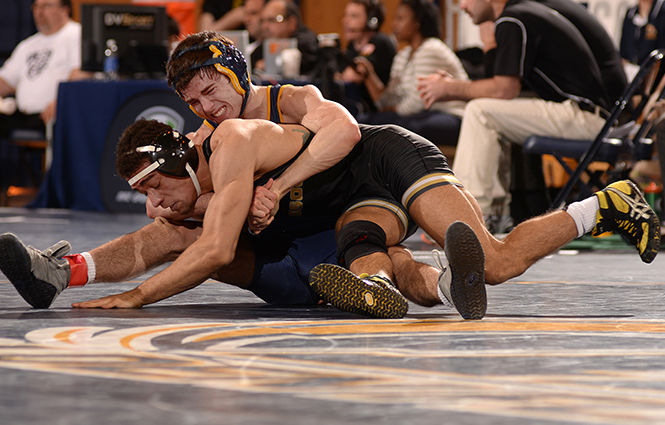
{"type": "Point", "coordinates": [643, 30]}
{"type": "Point", "coordinates": [38, 64]}
{"type": "Point", "coordinates": [360, 25]}
{"type": "Point", "coordinates": [599, 41]}
{"type": "Point", "coordinates": [543, 50]}
{"type": "Point", "coordinates": [252, 21]}
{"type": "Point", "coordinates": [221, 15]}
{"type": "Point", "coordinates": [281, 19]}
{"type": "Point", "coordinates": [417, 25]}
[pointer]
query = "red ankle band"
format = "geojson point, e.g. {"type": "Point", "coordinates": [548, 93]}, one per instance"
{"type": "Point", "coordinates": [79, 270]}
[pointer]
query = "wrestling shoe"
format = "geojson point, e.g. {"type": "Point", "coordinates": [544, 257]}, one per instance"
{"type": "Point", "coordinates": [374, 296]}
{"type": "Point", "coordinates": [38, 276]}
{"type": "Point", "coordinates": [624, 210]}
{"type": "Point", "coordinates": [462, 281]}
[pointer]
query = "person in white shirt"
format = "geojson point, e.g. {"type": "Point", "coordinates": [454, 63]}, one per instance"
{"type": "Point", "coordinates": [416, 25]}
{"type": "Point", "coordinates": [38, 64]}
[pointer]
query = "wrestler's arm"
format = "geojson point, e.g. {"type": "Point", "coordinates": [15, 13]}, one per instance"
{"type": "Point", "coordinates": [336, 133]}
{"type": "Point", "coordinates": [215, 248]}
{"type": "Point", "coordinates": [233, 166]}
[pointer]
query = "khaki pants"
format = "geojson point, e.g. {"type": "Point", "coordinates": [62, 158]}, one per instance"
{"type": "Point", "coordinates": [487, 123]}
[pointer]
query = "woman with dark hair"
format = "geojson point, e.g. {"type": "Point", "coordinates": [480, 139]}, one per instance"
{"type": "Point", "coordinates": [360, 28]}
{"type": "Point", "coordinates": [416, 25]}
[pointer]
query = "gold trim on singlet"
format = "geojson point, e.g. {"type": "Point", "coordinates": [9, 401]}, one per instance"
{"type": "Point", "coordinates": [268, 101]}
{"type": "Point", "coordinates": [436, 179]}
{"type": "Point", "coordinates": [279, 110]}
{"type": "Point", "coordinates": [380, 203]}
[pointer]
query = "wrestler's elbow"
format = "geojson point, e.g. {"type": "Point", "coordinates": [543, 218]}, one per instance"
{"type": "Point", "coordinates": [349, 133]}
{"type": "Point", "coordinates": [220, 256]}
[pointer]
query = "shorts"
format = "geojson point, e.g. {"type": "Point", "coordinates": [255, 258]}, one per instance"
{"type": "Point", "coordinates": [283, 262]}
{"type": "Point", "coordinates": [396, 166]}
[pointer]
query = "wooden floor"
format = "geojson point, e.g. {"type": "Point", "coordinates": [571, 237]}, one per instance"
{"type": "Point", "coordinates": [578, 339]}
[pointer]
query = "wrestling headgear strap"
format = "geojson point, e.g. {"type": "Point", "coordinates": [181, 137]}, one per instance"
{"type": "Point", "coordinates": [227, 60]}
{"type": "Point", "coordinates": [172, 154]}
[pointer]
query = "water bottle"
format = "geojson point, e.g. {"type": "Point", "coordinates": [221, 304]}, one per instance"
{"type": "Point", "coordinates": [111, 60]}
{"type": "Point", "coordinates": [653, 193]}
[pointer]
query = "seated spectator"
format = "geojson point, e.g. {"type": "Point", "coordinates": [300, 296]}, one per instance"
{"type": "Point", "coordinates": [602, 47]}
{"type": "Point", "coordinates": [281, 19]}
{"type": "Point", "coordinates": [221, 15]}
{"type": "Point", "coordinates": [643, 31]}
{"type": "Point", "coordinates": [38, 64]}
{"type": "Point", "coordinates": [252, 21]}
{"type": "Point", "coordinates": [417, 25]}
{"type": "Point", "coordinates": [550, 54]}
{"type": "Point", "coordinates": [16, 24]}
{"type": "Point", "coordinates": [360, 25]}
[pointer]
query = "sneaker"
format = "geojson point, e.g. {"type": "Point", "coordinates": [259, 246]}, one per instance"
{"type": "Point", "coordinates": [374, 296]}
{"type": "Point", "coordinates": [38, 276]}
{"type": "Point", "coordinates": [462, 282]}
{"type": "Point", "coordinates": [624, 210]}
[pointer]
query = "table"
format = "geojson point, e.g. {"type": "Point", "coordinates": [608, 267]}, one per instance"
{"type": "Point", "coordinates": [86, 113]}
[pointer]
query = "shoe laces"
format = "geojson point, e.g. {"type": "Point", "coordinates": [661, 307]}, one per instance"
{"type": "Point", "coordinates": [627, 223]}
{"type": "Point", "coordinates": [377, 280]}
{"type": "Point", "coordinates": [436, 255]}
{"type": "Point", "coordinates": [637, 208]}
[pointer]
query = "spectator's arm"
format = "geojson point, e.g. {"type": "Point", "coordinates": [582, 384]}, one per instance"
{"type": "Point", "coordinates": [430, 58]}
{"type": "Point", "coordinates": [438, 87]}
{"type": "Point", "coordinates": [5, 88]}
{"type": "Point", "coordinates": [373, 83]}
{"type": "Point", "coordinates": [230, 20]}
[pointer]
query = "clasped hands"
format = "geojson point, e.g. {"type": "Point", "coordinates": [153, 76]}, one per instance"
{"type": "Point", "coordinates": [434, 87]}
{"type": "Point", "coordinates": [265, 205]}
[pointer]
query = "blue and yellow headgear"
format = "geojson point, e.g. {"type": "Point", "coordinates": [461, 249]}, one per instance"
{"type": "Point", "coordinates": [228, 60]}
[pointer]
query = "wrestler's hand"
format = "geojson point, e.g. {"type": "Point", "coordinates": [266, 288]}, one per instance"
{"type": "Point", "coordinates": [432, 87]}
{"type": "Point", "coordinates": [264, 207]}
{"type": "Point", "coordinates": [129, 299]}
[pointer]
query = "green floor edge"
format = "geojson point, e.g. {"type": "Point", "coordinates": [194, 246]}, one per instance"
{"type": "Point", "coordinates": [612, 242]}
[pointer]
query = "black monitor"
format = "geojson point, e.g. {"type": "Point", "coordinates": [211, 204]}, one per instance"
{"type": "Point", "coordinates": [140, 33]}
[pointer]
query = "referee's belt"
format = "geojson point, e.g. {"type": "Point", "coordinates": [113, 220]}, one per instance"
{"type": "Point", "coordinates": [594, 109]}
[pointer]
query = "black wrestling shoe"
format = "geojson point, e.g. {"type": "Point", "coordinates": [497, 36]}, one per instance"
{"type": "Point", "coordinates": [462, 281]}
{"type": "Point", "coordinates": [374, 296]}
{"type": "Point", "coordinates": [624, 210]}
{"type": "Point", "coordinates": [38, 276]}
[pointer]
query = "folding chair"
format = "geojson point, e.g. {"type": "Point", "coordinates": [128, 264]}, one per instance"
{"type": "Point", "coordinates": [612, 140]}
{"type": "Point", "coordinates": [28, 142]}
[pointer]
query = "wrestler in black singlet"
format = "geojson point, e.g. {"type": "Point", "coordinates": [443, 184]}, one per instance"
{"type": "Point", "coordinates": [388, 168]}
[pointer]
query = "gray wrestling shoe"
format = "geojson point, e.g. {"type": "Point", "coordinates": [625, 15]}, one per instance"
{"type": "Point", "coordinates": [38, 276]}
{"type": "Point", "coordinates": [462, 282]}
{"type": "Point", "coordinates": [374, 296]}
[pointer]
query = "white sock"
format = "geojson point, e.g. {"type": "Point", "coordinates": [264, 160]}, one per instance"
{"type": "Point", "coordinates": [584, 214]}
{"type": "Point", "coordinates": [92, 271]}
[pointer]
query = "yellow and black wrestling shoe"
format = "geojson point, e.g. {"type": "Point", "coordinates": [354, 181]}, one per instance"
{"type": "Point", "coordinates": [624, 210]}
{"type": "Point", "coordinates": [374, 296]}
